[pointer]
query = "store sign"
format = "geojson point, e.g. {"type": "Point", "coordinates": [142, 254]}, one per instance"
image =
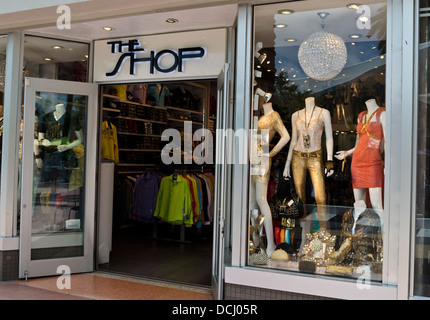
{"type": "Point", "coordinates": [160, 57]}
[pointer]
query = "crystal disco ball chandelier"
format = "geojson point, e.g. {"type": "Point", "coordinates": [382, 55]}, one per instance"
{"type": "Point", "coordinates": [323, 55]}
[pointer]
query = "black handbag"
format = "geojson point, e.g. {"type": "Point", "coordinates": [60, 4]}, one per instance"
{"type": "Point", "coordinates": [286, 204]}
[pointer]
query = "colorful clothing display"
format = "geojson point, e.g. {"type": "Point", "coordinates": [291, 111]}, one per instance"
{"type": "Point", "coordinates": [177, 199]}
{"type": "Point", "coordinates": [367, 167]}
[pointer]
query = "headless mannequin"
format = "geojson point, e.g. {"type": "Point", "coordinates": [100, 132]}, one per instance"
{"type": "Point", "coordinates": [261, 186]}
{"type": "Point", "coordinates": [59, 112]}
{"type": "Point", "coordinates": [317, 181]}
{"type": "Point", "coordinates": [309, 105]}
{"type": "Point", "coordinates": [374, 193]}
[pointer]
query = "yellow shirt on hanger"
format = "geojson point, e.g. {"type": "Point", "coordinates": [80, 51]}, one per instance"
{"type": "Point", "coordinates": [109, 142]}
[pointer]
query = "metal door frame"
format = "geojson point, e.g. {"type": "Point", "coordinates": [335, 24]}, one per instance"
{"type": "Point", "coordinates": [85, 263]}
{"type": "Point", "coordinates": [221, 181]}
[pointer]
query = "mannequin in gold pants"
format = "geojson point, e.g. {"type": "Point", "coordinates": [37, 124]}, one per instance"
{"type": "Point", "coordinates": [305, 153]}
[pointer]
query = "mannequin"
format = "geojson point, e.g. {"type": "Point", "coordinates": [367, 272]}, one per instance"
{"type": "Point", "coordinates": [59, 112]}
{"type": "Point", "coordinates": [368, 175]}
{"type": "Point", "coordinates": [55, 146]}
{"type": "Point", "coordinates": [268, 125]}
{"type": "Point", "coordinates": [305, 152]}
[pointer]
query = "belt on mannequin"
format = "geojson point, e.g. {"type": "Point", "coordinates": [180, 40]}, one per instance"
{"type": "Point", "coordinates": [314, 154]}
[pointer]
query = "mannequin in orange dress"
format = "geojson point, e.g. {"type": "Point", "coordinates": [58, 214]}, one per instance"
{"type": "Point", "coordinates": [367, 167]}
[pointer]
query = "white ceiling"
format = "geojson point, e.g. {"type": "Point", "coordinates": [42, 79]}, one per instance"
{"type": "Point", "coordinates": [154, 23]}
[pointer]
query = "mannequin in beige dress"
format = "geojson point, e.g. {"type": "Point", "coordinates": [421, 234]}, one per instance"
{"type": "Point", "coordinates": [268, 125]}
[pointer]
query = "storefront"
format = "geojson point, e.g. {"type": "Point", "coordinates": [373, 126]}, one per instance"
{"type": "Point", "coordinates": [304, 120]}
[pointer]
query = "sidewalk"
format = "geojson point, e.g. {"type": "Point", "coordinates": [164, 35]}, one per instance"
{"type": "Point", "coordinates": [100, 286]}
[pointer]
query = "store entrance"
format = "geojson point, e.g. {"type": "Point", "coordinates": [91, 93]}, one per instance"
{"type": "Point", "coordinates": [156, 186]}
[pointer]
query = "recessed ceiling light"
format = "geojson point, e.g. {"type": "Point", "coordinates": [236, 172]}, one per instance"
{"type": "Point", "coordinates": [107, 28]}
{"type": "Point", "coordinates": [172, 20]}
{"type": "Point", "coordinates": [280, 25]}
{"type": "Point", "coordinates": [355, 36]}
{"type": "Point", "coordinates": [57, 47]}
{"type": "Point", "coordinates": [286, 11]}
{"type": "Point", "coordinates": [363, 19]}
{"type": "Point", "coordinates": [47, 59]}
{"type": "Point", "coordinates": [290, 40]}
{"type": "Point", "coordinates": [353, 5]}
{"type": "Point", "coordinates": [86, 56]}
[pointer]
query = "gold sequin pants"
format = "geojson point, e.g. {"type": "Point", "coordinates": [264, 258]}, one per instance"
{"type": "Point", "coordinates": [303, 162]}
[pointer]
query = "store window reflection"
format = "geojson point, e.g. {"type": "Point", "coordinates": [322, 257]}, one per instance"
{"type": "Point", "coordinates": [422, 226]}
{"type": "Point", "coordinates": [316, 199]}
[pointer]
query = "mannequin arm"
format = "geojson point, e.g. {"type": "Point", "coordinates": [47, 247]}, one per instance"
{"type": "Point", "coordinates": [329, 139]}
{"type": "Point", "coordinates": [328, 134]}
{"type": "Point", "coordinates": [78, 142]}
{"type": "Point", "coordinates": [292, 144]}
{"type": "Point", "coordinates": [285, 137]}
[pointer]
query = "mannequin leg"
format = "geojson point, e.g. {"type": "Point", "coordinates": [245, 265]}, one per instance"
{"type": "Point", "coordinates": [298, 166]}
{"type": "Point", "coordinates": [376, 201]}
{"type": "Point", "coordinates": [315, 167]}
{"type": "Point", "coordinates": [360, 194]}
{"type": "Point", "coordinates": [261, 196]}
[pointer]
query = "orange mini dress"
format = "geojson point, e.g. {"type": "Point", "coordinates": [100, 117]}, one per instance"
{"type": "Point", "coordinates": [367, 167]}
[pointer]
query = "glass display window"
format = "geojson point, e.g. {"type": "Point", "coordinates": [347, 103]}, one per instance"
{"type": "Point", "coordinates": [318, 132]}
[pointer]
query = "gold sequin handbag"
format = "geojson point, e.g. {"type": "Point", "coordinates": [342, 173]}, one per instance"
{"type": "Point", "coordinates": [258, 258]}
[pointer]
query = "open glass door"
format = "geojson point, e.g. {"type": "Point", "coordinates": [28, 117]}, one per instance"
{"type": "Point", "coordinates": [58, 177]}
{"type": "Point", "coordinates": [221, 184]}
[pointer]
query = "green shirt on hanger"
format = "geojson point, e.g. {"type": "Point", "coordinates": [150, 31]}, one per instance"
{"type": "Point", "coordinates": [174, 203]}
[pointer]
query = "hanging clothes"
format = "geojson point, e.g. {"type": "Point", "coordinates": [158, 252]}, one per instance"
{"type": "Point", "coordinates": [174, 204]}
{"type": "Point", "coordinates": [145, 196]}
{"type": "Point", "coordinates": [159, 93]}
{"type": "Point", "coordinates": [109, 142]}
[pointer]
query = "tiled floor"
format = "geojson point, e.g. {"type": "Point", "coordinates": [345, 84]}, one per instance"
{"type": "Point", "coordinates": [99, 286]}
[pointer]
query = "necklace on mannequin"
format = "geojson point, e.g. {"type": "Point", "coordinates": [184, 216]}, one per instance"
{"type": "Point", "coordinates": [306, 137]}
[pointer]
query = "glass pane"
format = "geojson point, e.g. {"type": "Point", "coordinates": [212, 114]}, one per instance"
{"type": "Point", "coordinates": [422, 253]}
{"type": "Point", "coordinates": [55, 59]}
{"type": "Point", "coordinates": [58, 180]}
{"type": "Point", "coordinates": [319, 121]}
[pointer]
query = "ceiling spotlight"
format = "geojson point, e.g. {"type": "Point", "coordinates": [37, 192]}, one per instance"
{"type": "Point", "coordinates": [57, 47]}
{"type": "Point", "coordinates": [355, 36]}
{"type": "Point", "coordinates": [290, 40]}
{"type": "Point", "coordinates": [353, 6]}
{"type": "Point", "coordinates": [107, 28]}
{"type": "Point", "coordinates": [47, 59]}
{"type": "Point", "coordinates": [286, 11]}
{"type": "Point", "coordinates": [172, 20]}
{"type": "Point", "coordinates": [280, 25]}
{"type": "Point", "coordinates": [86, 56]}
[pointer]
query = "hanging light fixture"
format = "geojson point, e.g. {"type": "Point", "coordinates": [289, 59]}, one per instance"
{"type": "Point", "coordinates": [323, 55]}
